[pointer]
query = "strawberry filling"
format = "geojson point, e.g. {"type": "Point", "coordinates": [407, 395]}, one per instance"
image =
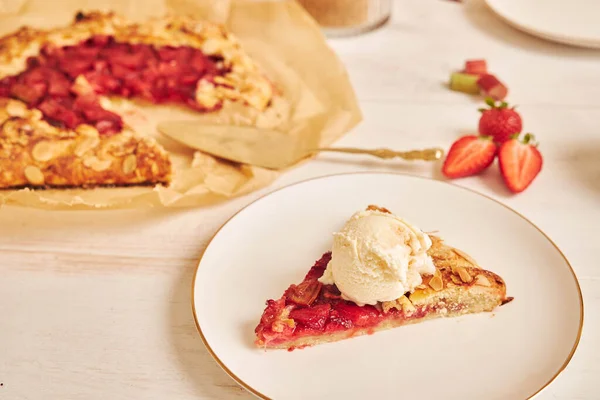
{"type": "Point", "coordinates": [155, 74]}
{"type": "Point", "coordinates": [317, 313]}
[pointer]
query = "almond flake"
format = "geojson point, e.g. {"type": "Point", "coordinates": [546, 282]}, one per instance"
{"type": "Point", "coordinates": [34, 175]}
{"type": "Point", "coordinates": [87, 130]}
{"type": "Point", "coordinates": [129, 164]}
{"type": "Point", "coordinates": [86, 144]}
{"type": "Point", "coordinates": [436, 283]}
{"type": "Point", "coordinates": [16, 108]}
{"type": "Point", "coordinates": [407, 305]}
{"type": "Point", "coordinates": [96, 164]}
{"type": "Point", "coordinates": [481, 280]}
{"type": "Point", "coordinates": [389, 305]}
{"type": "Point", "coordinates": [466, 257]}
{"type": "Point", "coordinates": [464, 275]}
{"type": "Point", "coordinates": [43, 151]}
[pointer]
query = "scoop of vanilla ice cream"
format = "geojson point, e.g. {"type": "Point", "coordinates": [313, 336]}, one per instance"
{"type": "Point", "coordinates": [377, 257]}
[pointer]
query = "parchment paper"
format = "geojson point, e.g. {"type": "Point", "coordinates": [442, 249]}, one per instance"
{"type": "Point", "coordinates": [316, 102]}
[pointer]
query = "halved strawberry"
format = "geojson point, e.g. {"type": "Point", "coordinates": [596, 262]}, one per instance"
{"type": "Point", "coordinates": [520, 162]}
{"type": "Point", "coordinates": [469, 155]}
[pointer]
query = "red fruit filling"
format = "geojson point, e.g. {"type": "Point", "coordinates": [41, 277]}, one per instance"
{"type": "Point", "coordinates": [312, 317]}
{"type": "Point", "coordinates": [315, 308]}
{"type": "Point", "coordinates": [156, 74]}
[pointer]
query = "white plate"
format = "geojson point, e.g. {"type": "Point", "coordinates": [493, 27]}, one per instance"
{"type": "Point", "coordinates": [574, 22]}
{"type": "Point", "coordinates": [510, 354]}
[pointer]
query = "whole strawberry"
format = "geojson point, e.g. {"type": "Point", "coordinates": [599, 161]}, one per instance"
{"type": "Point", "coordinates": [499, 121]}
{"type": "Point", "coordinates": [520, 162]}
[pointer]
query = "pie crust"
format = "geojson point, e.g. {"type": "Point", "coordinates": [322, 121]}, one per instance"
{"type": "Point", "coordinates": [72, 140]}
{"type": "Point", "coordinates": [312, 313]}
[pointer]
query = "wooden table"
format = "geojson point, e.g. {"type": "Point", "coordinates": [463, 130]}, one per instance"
{"type": "Point", "coordinates": [96, 305]}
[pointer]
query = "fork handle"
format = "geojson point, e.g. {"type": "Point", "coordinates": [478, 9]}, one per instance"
{"type": "Point", "coordinates": [430, 154]}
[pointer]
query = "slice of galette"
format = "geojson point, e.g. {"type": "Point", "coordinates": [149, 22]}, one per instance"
{"type": "Point", "coordinates": [313, 312]}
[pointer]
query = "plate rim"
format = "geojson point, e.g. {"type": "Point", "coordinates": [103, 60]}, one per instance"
{"type": "Point", "coordinates": [576, 41]}
{"type": "Point", "coordinates": [260, 395]}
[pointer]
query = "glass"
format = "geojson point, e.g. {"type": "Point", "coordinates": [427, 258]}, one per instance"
{"type": "Point", "coordinates": [348, 17]}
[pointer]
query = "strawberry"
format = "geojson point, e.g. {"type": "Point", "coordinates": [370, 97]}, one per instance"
{"type": "Point", "coordinates": [499, 121]}
{"type": "Point", "coordinates": [469, 155]}
{"type": "Point", "coordinates": [520, 162]}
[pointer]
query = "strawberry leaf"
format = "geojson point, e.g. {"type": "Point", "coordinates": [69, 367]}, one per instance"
{"type": "Point", "coordinates": [529, 138]}
{"type": "Point", "coordinates": [490, 102]}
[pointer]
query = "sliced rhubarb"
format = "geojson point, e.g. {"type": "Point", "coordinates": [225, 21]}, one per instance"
{"type": "Point", "coordinates": [305, 293]}
{"type": "Point", "coordinates": [30, 94]}
{"type": "Point", "coordinates": [58, 84]}
{"type": "Point", "coordinates": [319, 267]}
{"type": "Point", "coordinates": [5, 86]}
{"type": "Point", "coordinates": [475, 67]}
{"type": "Point", "coordinates": [492, 87]}
{"type": "Point", "coordinates": [60, 111]}
{"type": "Point", "coordinates": [331, 292]}
{"type": "Point", "coordinates": [465, 83]}
{"type": "Point", "coordinates": [102, 82]}
{"type": "Point", "coordinates": [312, 317]}
{"type": "Point", "coordinates": [200, 63]}
{"type": "Point", "coordinates": [75, 66]}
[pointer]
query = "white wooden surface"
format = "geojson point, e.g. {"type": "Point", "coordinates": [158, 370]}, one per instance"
{"type": "Point", "coordinates": [96, 305]}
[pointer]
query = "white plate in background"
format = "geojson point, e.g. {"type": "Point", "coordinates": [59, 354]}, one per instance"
{"type": "Point", "coordinates": [574, 22]}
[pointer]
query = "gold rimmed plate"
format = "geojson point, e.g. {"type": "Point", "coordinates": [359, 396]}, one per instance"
{"type": "Point", "coordinates": [512, 353]}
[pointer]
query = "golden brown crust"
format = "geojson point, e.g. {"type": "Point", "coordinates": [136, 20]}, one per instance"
{"type": "Point", "coordinates": [456, 271]}
{"type": "Point", "coordinates": [35, 154]}
{"type": "Point", "coordinates": [445, 256]}
{"type": "Point", "coordinates": [373, 207]}
{"type": "Point", "coordinates": [243, 82]}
